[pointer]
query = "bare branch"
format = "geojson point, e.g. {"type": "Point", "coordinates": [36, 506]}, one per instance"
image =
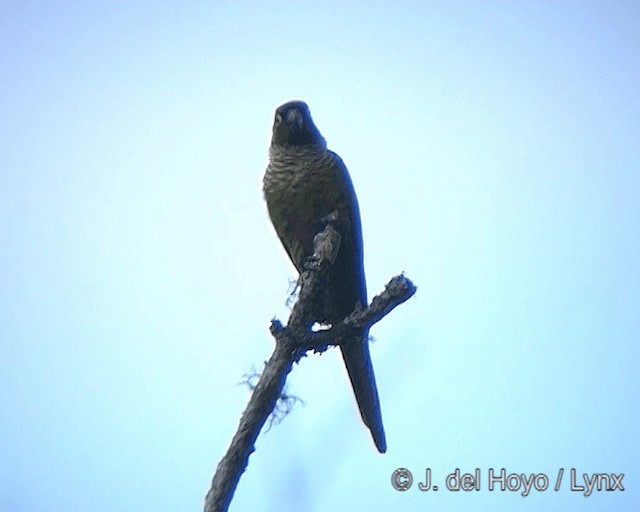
{"type": "Point", "coordinates": [398, 290]}
{"type": "Point", "coordinates": [261, 403]}
{"type": "Point", "coordinates": [292, 343]}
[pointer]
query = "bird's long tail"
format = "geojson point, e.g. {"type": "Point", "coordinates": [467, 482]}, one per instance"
{"type": "Point", "coordinates": [358, 362]}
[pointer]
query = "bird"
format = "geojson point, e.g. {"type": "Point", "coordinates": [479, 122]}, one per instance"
{"type": "Point", "coordinates": [304, 184]}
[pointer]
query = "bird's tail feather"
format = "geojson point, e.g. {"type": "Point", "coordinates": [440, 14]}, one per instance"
{"type": "Point", "coordinates": [360, 369]}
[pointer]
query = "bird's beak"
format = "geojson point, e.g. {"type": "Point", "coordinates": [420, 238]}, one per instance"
{"type": "Point", "coordinates": [295, 119]}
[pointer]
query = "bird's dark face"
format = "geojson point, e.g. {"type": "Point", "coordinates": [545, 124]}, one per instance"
{"type": "Point", "coordinates": [293, 126]}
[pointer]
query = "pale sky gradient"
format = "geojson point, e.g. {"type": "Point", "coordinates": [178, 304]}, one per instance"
{"type": "Point", "coordinates": [494, 147]}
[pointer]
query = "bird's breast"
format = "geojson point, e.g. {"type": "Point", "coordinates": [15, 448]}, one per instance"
{"type": "Point", "coordinates": [300, 191]}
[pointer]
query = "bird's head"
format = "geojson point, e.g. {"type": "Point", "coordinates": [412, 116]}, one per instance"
{"type": "Point", "coordinates": [293, 126]}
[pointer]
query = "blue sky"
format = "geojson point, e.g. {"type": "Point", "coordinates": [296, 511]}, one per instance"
{"type": "Point", "coordinates": [494, 150]}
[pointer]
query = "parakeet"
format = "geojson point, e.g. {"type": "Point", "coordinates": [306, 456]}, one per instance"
{"type": "Point", "coordinates": [303, 185]}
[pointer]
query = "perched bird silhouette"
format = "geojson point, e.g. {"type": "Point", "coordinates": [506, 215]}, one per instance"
{"type": "Point", "coordinates": [305, 184]}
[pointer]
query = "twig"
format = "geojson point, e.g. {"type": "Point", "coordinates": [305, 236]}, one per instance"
{"type": "Point", "coordinates": [292, 342]}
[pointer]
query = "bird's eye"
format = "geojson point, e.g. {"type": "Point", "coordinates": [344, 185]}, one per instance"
{"type": "Point", "coordinates": [277, 120]}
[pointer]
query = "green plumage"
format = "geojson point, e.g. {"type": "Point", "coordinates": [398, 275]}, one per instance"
{"type": "Point", "coordinates": [303, 184]}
